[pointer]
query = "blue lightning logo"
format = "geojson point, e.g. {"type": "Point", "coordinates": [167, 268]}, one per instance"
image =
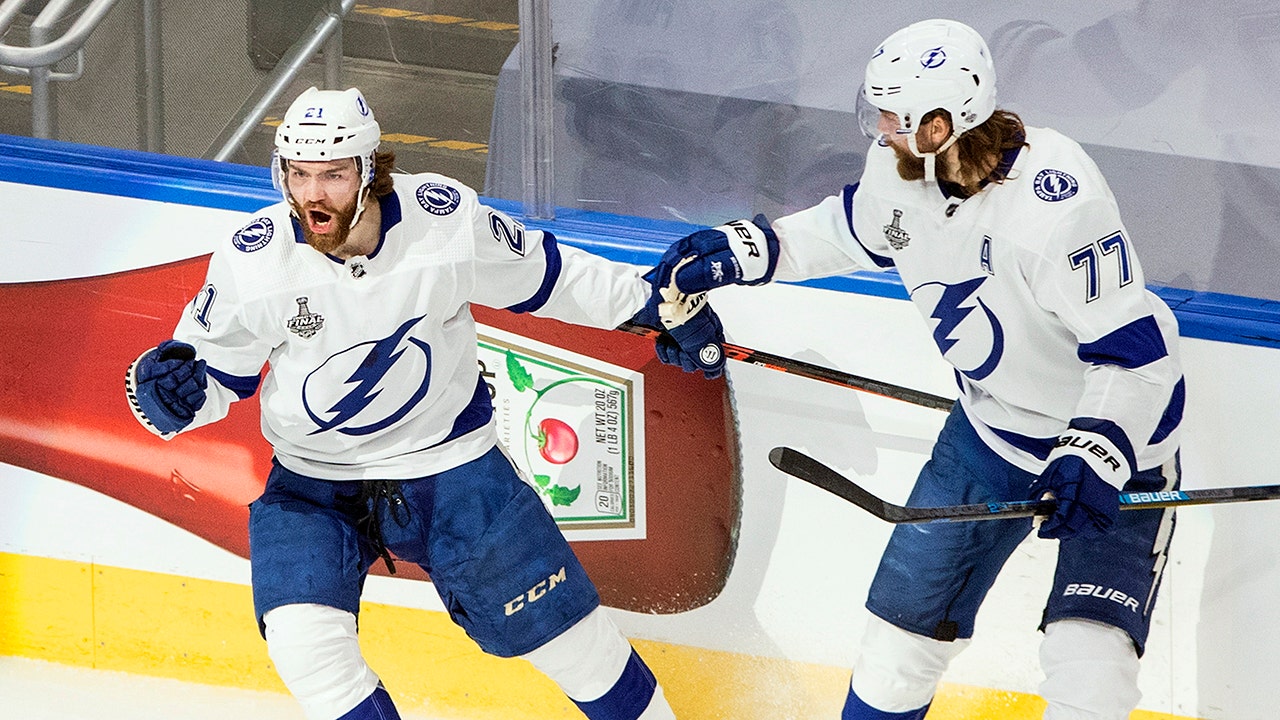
{"type": "Point", "coordinates": [933, 58]}
{"type": "Point", "coordinates": [254, 236]}
{"type": "Point", "coordinates": [950, 311]}
{"type": "Point", "coordinates": [367, 378]}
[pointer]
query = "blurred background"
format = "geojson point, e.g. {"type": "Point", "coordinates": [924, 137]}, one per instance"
{"type": "Point", "coordinates": [690, 111]}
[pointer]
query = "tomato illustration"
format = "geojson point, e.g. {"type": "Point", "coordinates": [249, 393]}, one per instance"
{"type": "Point", "coordinates": [557, 442]}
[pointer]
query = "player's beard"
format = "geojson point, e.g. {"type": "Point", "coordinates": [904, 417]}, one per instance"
{"type": "Point", "coordinates": [336, 221]}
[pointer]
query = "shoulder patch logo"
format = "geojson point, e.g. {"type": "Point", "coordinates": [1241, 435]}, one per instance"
{"type": "Point", "coordinates": [438, 199]}
{"type": "Point", "coordinates": [254, 236]}
{"type": "Point", "coordinates": [306, 323]}
{"type": "Point", "coordinates": [1054, 185]}
{"type": "Point", "coordinates": [893, 232]}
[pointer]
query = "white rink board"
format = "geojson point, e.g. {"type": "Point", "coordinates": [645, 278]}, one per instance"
{"type": "Point", "coordinates": [805, 558]}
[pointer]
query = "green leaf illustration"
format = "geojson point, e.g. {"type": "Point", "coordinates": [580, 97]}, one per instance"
{"type": "Point", "coordinates": [521, 380]}
{"type": "Point", "coordinates": [561, 495]}
{"type": "Point", "coordinates": [542, 480]}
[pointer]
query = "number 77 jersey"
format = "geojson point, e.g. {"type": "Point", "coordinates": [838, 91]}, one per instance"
{"type": "Point", "coordinates": [1031, 289]}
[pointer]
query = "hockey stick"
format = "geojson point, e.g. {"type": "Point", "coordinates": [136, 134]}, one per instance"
{"type": "Point", "coordinates": [797, 464]}
{"type": "Point", "coordinates": [817, 372]}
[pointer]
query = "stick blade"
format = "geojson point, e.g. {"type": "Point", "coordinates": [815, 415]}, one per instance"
{"type": "Point", "coordinates": [799, 465]}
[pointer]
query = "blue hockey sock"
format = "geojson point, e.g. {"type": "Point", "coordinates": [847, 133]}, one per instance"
{"type": "Point", "coordinates": [628, 697]}
{"type": "Point", "coordinates": [377, 706]}
{"type": "Point", "coordinates": [856, 709]}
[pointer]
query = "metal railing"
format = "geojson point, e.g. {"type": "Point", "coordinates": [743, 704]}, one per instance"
{"type": "Point", "coordinates": [326, 32]}
{"type": "Point", "coordinates": [44, 51]}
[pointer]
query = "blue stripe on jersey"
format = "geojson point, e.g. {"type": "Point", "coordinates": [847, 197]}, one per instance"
{"type": "Point", "coordinates": [298, 237]}
{"type": "Point", "coordinates": [242, 385]}
{"type": "Point", "coordinates": [389, 205]}
{"type": "Point", "coordinates": [1172, 413]}
{"type": "Point", "coordinates": [879, 260]}
{"type": "Point", "coordinates": [474, 416]}
{"type": "Point", "coordinates": [1137, 344]}
{"type": "Point", "coordinates": [1036, 447]}
{"type": "Point", "coordinates": [552, 252]}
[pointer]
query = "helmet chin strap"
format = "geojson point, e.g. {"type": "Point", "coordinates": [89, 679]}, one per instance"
{"type": "Point", "coordinates": [930, 158]}
{"type": "Point", "coordinates": [364, 165]}
{"type": "Point", "coordinates": [360, 198]}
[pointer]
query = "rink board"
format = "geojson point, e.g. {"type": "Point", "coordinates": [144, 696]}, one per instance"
{"type": "Point", "coordinates": [92, 579]}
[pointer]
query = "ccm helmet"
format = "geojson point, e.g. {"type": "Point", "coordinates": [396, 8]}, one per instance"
{"type": "Point", "coordinates": [324, 125]}
{"type": "Point", "coordinates": [926, 66]}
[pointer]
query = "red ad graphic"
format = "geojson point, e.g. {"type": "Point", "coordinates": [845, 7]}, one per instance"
{"type": "Point", "coordinates": [63, 413]}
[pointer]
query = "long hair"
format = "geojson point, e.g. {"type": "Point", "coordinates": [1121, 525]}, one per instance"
{"type": "Point", "coordinates": [383, 163]}
{"type": "Point", "coordinates": [978, 151]}
{"type": "Point", "coordinates": [987, 143]}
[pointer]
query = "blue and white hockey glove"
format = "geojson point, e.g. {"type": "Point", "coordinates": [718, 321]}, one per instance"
{"type": "Point", "coordinates": [1087, 504]}
{"type": "Point", "coordinates": [741, 252]}
{"type": "Point", "coordinates": [692, 335]}
{"type": "Point", "coordinates": [166, 387]}
{"type": "Point", "coordinates": [1085, 470]}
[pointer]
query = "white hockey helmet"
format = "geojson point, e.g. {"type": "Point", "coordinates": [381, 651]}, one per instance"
{"type": "Point", "coordinates": [930, 65]}
{"type": "Point", "coordinates": [324, 125]}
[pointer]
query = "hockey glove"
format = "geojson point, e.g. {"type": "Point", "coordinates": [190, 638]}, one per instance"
{"type": "Point", "coordinates": [692, 335]}
{"type": "Point", "coordinates": [741, 252]}
{"type": "Point", "coordinates": [166, 387]}
{"type": "Point", "coordinates": [1087, 504]}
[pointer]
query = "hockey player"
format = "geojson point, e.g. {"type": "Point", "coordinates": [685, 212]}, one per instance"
{"type": "Point", "coordinates": [1012, 248]}
{"type": "Point", "coordinates": [355, 292]}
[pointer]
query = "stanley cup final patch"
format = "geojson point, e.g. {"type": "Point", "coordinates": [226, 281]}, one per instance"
{"type": "Point", "coordinates": [306, 323]}
{"type": "Point", "coordinates": [893, 232]}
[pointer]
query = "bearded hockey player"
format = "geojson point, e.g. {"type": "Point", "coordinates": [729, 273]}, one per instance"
{"type": "Point", "coordinates": [355, 293]}
{"type": "Point", "coordinates": [1012, 248]}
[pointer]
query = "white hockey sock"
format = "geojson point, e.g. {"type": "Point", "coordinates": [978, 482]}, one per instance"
{"type": "Point", "coordinates": [1091, 671]}
{"type": "Point", "coordinates": [317, 655]}
{"type": "Point", "coordinates": [899, 671]}
{"type": "Point", "coordinates": [589, 659]}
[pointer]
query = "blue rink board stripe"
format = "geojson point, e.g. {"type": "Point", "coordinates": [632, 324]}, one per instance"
{"type": "Point", "coordinates": [246, 188]}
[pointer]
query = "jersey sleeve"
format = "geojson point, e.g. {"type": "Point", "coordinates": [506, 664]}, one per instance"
{"type": "Point", "coordinates": [525, 270]}
{"type": "Point", "coordinates": [822, 241]}
{"type": "Point", "coordinates": [214, 323]}
{"type": "Point", "coordinates": [1088, 276]}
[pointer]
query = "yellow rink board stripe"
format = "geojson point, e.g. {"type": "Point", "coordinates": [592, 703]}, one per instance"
{"type": "Point", "coordinates": [203, 631]}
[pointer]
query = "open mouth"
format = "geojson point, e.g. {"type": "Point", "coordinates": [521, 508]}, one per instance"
{"type": "Point", "coordinates": [320, 221]}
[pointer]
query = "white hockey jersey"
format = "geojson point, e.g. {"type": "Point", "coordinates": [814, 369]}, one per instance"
{"type": "Point", "coordinates": [372, 368]}
{"type": "Point", "coordinates": [1033, 292]}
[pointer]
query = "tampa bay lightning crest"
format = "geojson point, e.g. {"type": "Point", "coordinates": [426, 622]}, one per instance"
{"type": "Point", "coordinates": [971, 341]}
{"type": "Point", "coordinates": [933, 58]}
{"type": "Point", "coordinates": [1054, 185]}
{"type": "Point", "coordinates": [253, 236]}
{"type": "Point", "coordinates": [438, 199]}
{"type": "Point", "coordinates": [371, 386]}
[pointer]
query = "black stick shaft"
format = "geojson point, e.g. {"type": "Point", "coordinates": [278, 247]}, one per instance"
{"type": "Point", "coordinates": [797, 464]}
{"type": "Point", "coordinates": [818, 372]}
